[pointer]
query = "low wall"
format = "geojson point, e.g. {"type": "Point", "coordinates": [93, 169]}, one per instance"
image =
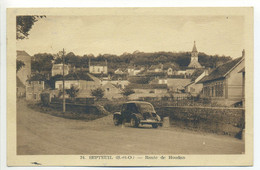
{"type": "Point", "coordinates": [228, 121]}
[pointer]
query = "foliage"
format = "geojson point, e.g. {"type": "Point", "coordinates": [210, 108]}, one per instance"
{"type": "Point", "coordinates": [52, 80]}
{"type": "Point", "coordinates": [127, 91]}
{"type": "Point", "coordinates": [42, 62]}
{"type": "Point", "coordinates": [143, 59]}
{"type": "Point", "coordinates": [98, 93]}
{"type": "Point", "coordinates": [19, 65]}
{"type": "Point", "coordinates": [72, 92]}
{"type": "Point", "coordinates": [24, 25]}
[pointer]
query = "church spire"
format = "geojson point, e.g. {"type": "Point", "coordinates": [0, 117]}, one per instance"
{"type": "Point", "coordinates": [194, 47]}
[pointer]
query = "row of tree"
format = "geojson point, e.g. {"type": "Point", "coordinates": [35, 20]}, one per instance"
{"type": "Point", "coordinates": [43, 62]}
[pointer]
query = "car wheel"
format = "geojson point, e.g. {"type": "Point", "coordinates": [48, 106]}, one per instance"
{"type": "Point", "coordinates": [134, 122]}
{"type": "Point", "coordinates": [116, 121]}
{"type": "Point", "coordinates": [155, 125]}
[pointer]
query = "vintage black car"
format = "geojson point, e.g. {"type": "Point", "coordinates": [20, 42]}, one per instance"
{"type": "Point", "coordinates": [137, 113]}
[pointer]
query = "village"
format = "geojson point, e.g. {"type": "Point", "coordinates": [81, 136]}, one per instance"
{"type": "Point", "coordinates": [130, 85]}
{"type": "Point", "coordinates": [222, 86]}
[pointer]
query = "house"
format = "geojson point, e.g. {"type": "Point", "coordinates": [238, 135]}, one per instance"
{"type": "Point", "coordinates": [193, 87]}
{"type": "Point", "coordinates": [194, 61]}
{"type": "Point", "coordinates": [25, 72]}
{"type": "Point", "coordinates": [159, 81]}
{"type": "Point", "coordinates": [156, 68]}
{"type": "Point", "coordinates": [171, 68]}
{"type": "Point", "coordinates": [98, 67]}
{"type": "Point", "coordinates": [243, 85]}
{"type": "Point", "coordinates": [111, 91]}
{"type": "Point", "coordinates": [120, 83]}
{"type": "Point", "coordinates": [119, 71]}
{"type": "Point", "coordinates": [20, 88]}
{"type": "Point", "coordinates": [224, 85]}
{"type": "Point", "coordinates": [181, 72]}
{"type": "Point", "coordinates": [177, 84]}
{"type": "Point", "coordinates": [34, 87]}
{"type": "Point", "coordinates": [134, 70]}
{"type": "Point", "coordinates": [85, 82]}
{"type": "Point", "coordinates": [148, 90]}
{"type": "Point", "coordinates": [57, 69]}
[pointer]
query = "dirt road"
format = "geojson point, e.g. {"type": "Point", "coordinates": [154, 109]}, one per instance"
{"type": "Point", "coordinates": [39, 133]}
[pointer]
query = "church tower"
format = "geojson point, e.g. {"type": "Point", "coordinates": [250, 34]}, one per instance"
{"type": "Point", "coordinates": [194, 60]}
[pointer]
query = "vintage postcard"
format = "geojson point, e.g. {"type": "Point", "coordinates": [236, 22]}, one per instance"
{"type": "Point", "coordinates": [130, 86]}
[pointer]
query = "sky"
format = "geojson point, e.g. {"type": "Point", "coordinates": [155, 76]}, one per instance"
{"type": "Point", "coordinates": [222, 35]}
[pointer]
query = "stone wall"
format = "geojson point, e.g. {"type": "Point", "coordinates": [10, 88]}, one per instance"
{"type": "Point", "coordinates": [228, 121]}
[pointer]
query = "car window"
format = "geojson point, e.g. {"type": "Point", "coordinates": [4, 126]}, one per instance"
{"type": "Point", "coordinates": [124, 108]}
{"type": "Point", "coordinates": [132, 108]}
{"type": "Point", "coordinates": [144, 107]}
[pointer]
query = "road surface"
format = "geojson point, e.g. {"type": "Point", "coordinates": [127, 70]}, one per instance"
{"type": "Point", "coordinates": [43, 134]}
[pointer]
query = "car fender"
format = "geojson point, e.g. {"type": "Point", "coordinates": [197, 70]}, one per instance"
{"type": "Point", "coordinates": [117, 114]}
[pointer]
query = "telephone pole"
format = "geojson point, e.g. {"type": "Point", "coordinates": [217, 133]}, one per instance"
{"type": "Point", "coordinates": [63, 82]}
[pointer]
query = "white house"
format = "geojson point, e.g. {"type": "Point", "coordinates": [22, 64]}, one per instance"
{"type": "Point", "coordinates": [57, 69]}
{"type": "Point", "coordinates": [98, 67]}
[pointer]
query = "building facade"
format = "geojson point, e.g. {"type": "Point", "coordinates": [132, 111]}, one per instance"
{"type": "Point", "coordinates": [25, 72]}
{"type": "Point", "coordinates": [34, 87]}
{"type": "Point", "coordinates": [98, 67]}
{"type": "Point", "coordinates": [57, 69]}
{"type": "Point", "coordinates": [224, 85]}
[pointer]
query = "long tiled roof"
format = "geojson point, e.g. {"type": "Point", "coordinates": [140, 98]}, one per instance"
{"type": "Point", "coordinates": [147, 86]}
{"type": "Point", "coordinates": [196, 74]}
{"type": "Point", "coordinates": [221, 71]}
{"type": "Point", "coordinates": [78, 76]}
{"type": "Point", "coordinates": [37, 77]}
{"type": "Point", "coordinates": [22, 53]}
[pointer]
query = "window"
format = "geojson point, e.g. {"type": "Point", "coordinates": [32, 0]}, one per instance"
{"type": "Point", "coordinates": [219, 89]}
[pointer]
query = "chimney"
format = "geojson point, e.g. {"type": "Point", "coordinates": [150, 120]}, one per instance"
{"type": "Point", "coordinates": [243, 53]}
{"type": "Point", "coordinates": [206, 72]}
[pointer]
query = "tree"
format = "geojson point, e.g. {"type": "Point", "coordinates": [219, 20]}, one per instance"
{"type": "Point", "coordinates": [42, 62]}
{"type": "Point", "coordinates": [53, 79]}
{"type": "Point", "coordinates": [24, 25]}
{"type": "Point", "coordinates": [19, 65]}
{"type": "Point", "coordinates": [98, 93]}
{"type": "Point", "coordinates": [127, 91]}
{"type": "Point", "coordinates": [72, 92]}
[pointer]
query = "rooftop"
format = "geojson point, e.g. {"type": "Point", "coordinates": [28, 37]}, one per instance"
{"type": "Point", "coordinates": [22, 53]}
{"type": "Point", "coordinates": [221, 71]}
{"type": "Point", "coordinates": [19, 82]}
{"type": "Point", "coordinates": [196, 74]}
{"type": "Point", "coordinates": [37, 77]}
{"type": "Point", "coordinates": [147, 86]}
{"type": "Point", "coordinates": [78, 76]}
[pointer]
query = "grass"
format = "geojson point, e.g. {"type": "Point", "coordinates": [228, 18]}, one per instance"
{"type": "Point", "coordinates": [56, 111]}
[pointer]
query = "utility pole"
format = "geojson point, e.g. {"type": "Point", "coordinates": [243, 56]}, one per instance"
{"type": "Point", "coordinates": [63, 82]}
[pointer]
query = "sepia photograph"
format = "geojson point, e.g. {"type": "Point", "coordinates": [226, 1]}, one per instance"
{"type": "Point", "coordinates": [112, 87]}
